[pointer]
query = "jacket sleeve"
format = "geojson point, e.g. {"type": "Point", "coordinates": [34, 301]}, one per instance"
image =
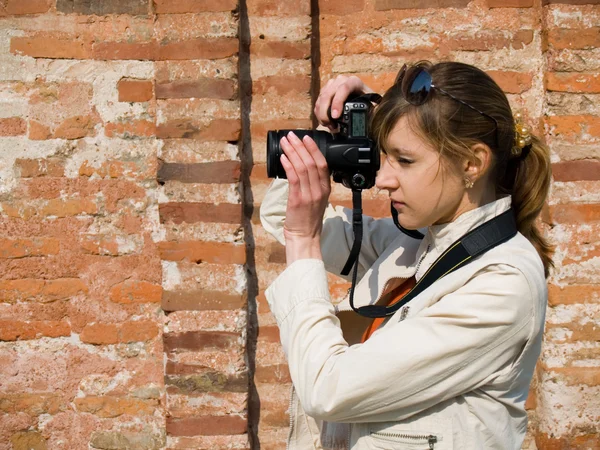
{"type": "Point", "coordinates": [447, 349]}
{"type": "Point", "coordinates": [337, 236]}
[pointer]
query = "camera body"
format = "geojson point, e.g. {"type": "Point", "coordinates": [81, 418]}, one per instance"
{"type": "Point", "coordinates": [352, 157]}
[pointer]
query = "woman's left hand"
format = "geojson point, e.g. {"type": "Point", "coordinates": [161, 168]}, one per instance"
{"type": "Point", "coordinates": [309, 188]}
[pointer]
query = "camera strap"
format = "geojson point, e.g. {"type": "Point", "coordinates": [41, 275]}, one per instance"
{"type": "Point", "coordinates": [473, 244]}
{"type": "Point", "coordinates": [416, 234]}
{"type": "Point", "coordinates": [357, 229]}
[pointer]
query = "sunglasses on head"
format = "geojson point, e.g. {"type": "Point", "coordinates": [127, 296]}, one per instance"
{"type": "Point", "coordinates": [416, 84]}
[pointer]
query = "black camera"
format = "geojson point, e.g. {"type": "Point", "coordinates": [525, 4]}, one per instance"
{"type": "Point", "coordinates": [352, 157]}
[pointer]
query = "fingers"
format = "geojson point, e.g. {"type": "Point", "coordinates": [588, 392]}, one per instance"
{"type": "Point", "coordinates": [334, 94]}
{"type": "Point", "coordinates": [307, 171]}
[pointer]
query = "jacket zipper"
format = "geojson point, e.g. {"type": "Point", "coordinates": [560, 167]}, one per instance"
{"type": "Point", "coordinates": [292, 415]}
{"type": "Point", "coordinates": [431, 439]}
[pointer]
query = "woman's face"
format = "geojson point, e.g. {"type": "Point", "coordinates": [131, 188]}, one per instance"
{"type": "Point", "coordinates": [424, 188]}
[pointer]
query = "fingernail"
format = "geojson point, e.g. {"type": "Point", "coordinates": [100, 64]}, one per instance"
{"type": "Point", "coordinates": [334, 113]}
{"type": "Point", "coordinates": [291, 134]}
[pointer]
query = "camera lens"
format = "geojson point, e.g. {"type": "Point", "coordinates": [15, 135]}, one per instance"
{"type": "Point", "coordinates": [274, 151]}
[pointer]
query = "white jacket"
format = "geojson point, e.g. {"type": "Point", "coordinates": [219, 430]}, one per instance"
{"type": "Point", "coordinates": [450, 370]}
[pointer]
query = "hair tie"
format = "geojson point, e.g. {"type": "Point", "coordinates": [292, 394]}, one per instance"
{"type": "Point", "coordinates": [523, 140]}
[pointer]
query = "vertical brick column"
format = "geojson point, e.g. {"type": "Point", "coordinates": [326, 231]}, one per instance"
{"type": "Point", "coordinates": [81, 357]}
{"type": "Point", "coordinates": [280, 71]}
{"type": "Point", "coordinates": [569, 374]}
{"type": "Point", "coordinates": [200, 208]}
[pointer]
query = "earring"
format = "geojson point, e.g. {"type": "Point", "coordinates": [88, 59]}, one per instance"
{"type": "Point", "coordinates": [468, 183]}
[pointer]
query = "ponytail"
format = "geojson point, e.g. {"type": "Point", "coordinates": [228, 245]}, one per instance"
{"type": "Point", "coordinates": [529, 190]}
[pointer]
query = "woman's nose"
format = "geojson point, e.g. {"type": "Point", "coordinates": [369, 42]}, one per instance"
{"type": "Point", "coordinates": [385, 178]}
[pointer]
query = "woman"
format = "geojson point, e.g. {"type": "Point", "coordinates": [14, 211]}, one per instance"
{"type": "Point", "coordinates": [451, 369]}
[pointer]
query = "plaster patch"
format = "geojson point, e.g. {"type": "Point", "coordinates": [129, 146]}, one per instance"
{"type": "Point", "coordinates": [171, 275]}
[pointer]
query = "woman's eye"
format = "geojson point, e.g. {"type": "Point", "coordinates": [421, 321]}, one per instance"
{"type": "Point", "coordinates": [404, 161]}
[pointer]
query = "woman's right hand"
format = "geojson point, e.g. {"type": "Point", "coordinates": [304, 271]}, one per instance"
{"type": "Point", "coordinates": [333, 95]}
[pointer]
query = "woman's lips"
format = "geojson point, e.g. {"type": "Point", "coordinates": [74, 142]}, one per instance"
{"type": "Point", "coordinates": [398, 204]}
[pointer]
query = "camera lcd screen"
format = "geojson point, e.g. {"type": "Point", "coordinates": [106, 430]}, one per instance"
{"type": "Point", "coordinates": [358, 124]}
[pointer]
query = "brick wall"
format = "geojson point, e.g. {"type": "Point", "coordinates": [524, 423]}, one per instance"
{"type": "Point", "coordinates": [132, 166]}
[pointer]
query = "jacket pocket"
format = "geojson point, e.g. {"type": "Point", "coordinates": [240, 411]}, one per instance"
{"type": "Point", "coordinates": [398, 439]}
{"type": "Point", "coordinates": [427, 433]}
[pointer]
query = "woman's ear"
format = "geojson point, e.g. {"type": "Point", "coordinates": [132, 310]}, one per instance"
{"type": "Point", "coordinates": [479, 165]}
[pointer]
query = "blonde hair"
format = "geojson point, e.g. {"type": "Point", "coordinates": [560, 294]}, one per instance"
{"type": "Point", "coordinates": [453, 128]}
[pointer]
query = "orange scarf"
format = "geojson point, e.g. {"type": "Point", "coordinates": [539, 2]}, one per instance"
{"type": "Point", "coordinates": [395, 296]}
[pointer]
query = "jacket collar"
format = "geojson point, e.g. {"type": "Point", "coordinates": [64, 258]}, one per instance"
{"type": "Point", "coordinates": [439, 237]}
{"type": "Point", "coordinates": [401, 258]}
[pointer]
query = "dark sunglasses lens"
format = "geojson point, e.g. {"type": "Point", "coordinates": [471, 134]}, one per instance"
{"type": "Point", "coordinates": [417, 86]}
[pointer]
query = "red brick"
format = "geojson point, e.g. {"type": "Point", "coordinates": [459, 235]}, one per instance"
{"type": "Point", "coordinates": [193, 6]}
{"type": "Point", "coordinates": [207, 426]}
{"type": "Point", "coordinates": [281, 84]}
{"type": "Point", "coordinates": [131, 129]}
{"type": "Point", "coordinates": [575, 376]}
{"type": "Point", "coordinates": [275, 374]}
{"type": "Point", "coordinates": [13, 126]}
{"type": "Point", "coordinates": [200, 212]}
{"type": "Point", "coordinates": [142, 169]}
{"type": "Point", "coordinates": [512, 82]}
{"type": "Point", "coordinates": [65, 208]}
{"type": "Point", "coordinates": [76, 128]}
{"type": "Point", "coordinates": [63, 288]}
{"type": "Point", "coordinates": [341, 8]}
{"type": "Point", "coordinates": [150, 440]}
{"type": "Point", "coordinates": [261, 128]}
{"type": "Point", "coordinates": [373, 208]}
{"type": "Point", "coordinates": [510, 3]}
{"type": "Point", "coordinates": [485, 41]}
{"type": "Point", "coordinates": [12, 330]}
{"type": "Point", "coordinates": [382, 5]}
{"type": "Point", "coordinates": [575, 213]}
{"type": "Point", "coordinates": [28, 440]}
{"type": "Point", "coordinates": [269, 334]}
{"type": "Point", "coordinates": [131, 90]}
{"type": "Point", "coordinates": [49, 45]}
{"type": "Point", "coordinates": [583, 442]}
{"type": "Point", "coordinates": [280, 49]}
{"type": "Point", "coordinates": [581, 38]}
{"type": "Point", "coordinates": [573, 294]}
{"type": "Point", "coordinates": [138, 331]}
{"type": "Point", "coordinates": [279, 8]}
{"type": "Point", "coordinates": [38, 131]}
{"type": "Point", "coordinates": [100, 245]}
{"type": "Point", "coordinates": [573, 128]}
{"type": "Point", "coordinates": [570, 2]}
{"type": "Point", "coordinates": [40, 167]}
{"type": "Point", "coordinates": [19, 248]}
{"type": "Point", "coordinates": [276, 253]}
{"type": "Point", "coordinates": [20, 7]}
{"type": "Point", "coordinates": [220, 172]}
{"type": "Point", "coordinates": [580, 170]}
{"type": "Point", "coordinates": [200, 341]}
{"type": "Point", "coordinates": [125, 51]}
{"type": "Point", "coordinates": [217, 130]}
{"type": "Point", "coordinates": [110, 407]}
{"type": "Point", "coordinates": [199, 49]}
{"type": "Point", "coordinates": [204, 381]}
{"type": "Point", "coordinates": [202, 300]}
{"type": "Point", "coordinates": [203, 252]}
{"type": "Point", "coordinates": [103, 7]}
{"type": "Point", "coordinates": [33, 404]}
{"type": "Point", "coordinates": [133, 292]}
{"type": "Point", "coordinates": [100, 334]}
{"type": "Point", "coordinates": [573, 82]}
{"type": "Point", "coordinates": [200, 88]}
